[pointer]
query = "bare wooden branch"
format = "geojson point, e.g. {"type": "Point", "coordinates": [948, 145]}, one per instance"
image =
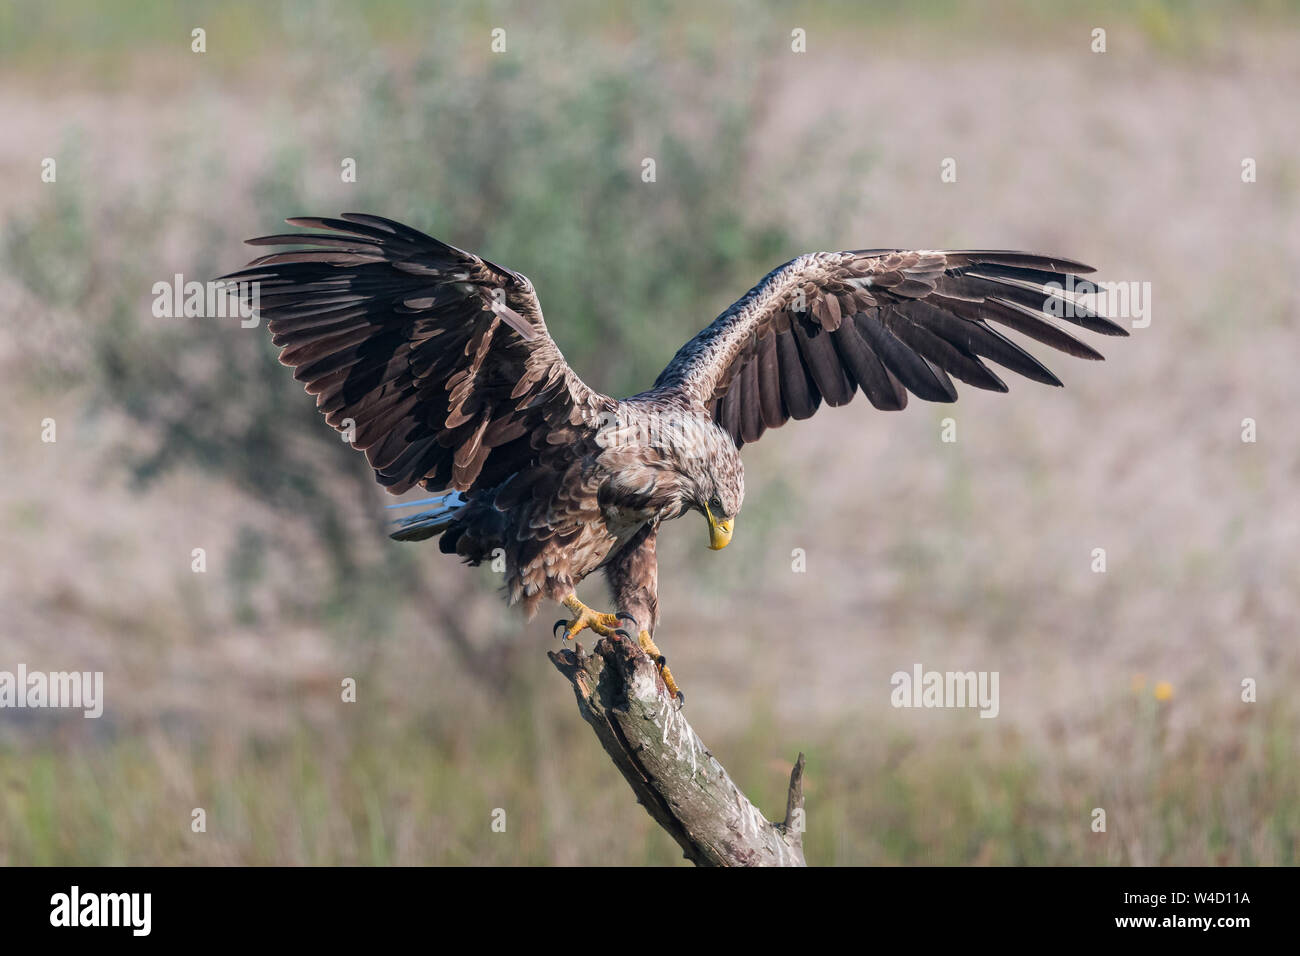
{"type": "Point", "coordinates": [674, 776]}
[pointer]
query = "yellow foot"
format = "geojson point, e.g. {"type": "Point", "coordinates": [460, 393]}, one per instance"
{"type": "Point", "coordinates": [648, 645]}
{"type": "Point", "coordinates": [583, 618]}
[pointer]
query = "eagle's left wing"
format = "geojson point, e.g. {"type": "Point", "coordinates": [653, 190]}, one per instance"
{"type": "Point", "coordinates": [437, 361]}
{"type": "Point", "coordinates": [886, 321]}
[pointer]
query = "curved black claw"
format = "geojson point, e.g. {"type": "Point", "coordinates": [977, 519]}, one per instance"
{"type": "Point", "coordinates": [561, 623]}
{"type": "Point", "coordinates": [623, 634]}
{"type": "Point", "coordinates": [661, 661]}
{"type": "Point", "coordinates": [624, 616]}
{"type": "Point", "coordinates": [681, 700]}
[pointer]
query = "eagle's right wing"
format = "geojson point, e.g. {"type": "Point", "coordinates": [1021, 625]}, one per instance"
{"type": "Point", "coordinates": [439, 360]}
{"type": "Point", "coordinates": [888, 322]}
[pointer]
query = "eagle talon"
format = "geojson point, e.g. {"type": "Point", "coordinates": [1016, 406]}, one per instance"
{"type": "Point", "coordinates": [561, 623]}
{"type": "Point", "coordinates": [651, 651]}
{"type": "Point", "coordinates": [585, 618]}
{"type": "Point", "coordinates": [623, 634]}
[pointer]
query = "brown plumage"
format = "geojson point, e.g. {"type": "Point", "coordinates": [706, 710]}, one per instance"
{"type": "Point", "coordinates": [441, 363]}
{"type": "Point", "coordinates": [882, 320]}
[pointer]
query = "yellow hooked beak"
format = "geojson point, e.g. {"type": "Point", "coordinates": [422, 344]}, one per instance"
{"type": "Point", "coordinates": [719, 531]}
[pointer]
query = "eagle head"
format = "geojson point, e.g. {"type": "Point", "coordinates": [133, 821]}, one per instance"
{"type": "Point", "coordinates": [715, 483]}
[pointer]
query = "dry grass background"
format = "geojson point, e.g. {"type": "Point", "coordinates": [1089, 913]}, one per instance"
{"type": "Point", "coordinates": [222, 688]}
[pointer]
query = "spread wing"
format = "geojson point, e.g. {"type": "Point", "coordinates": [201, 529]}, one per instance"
{"type": "Point", "coordinates": [438, 359]}
{"type": "Point", "coordinates": [886, 321]}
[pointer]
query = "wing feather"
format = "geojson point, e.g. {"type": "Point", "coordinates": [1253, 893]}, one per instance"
{"type": "Point", "coordinates": [885, 321]}
{"type": "Point", "coordinates": [437, 358]}
{"type": "Point", "coordinates": [882, 389]}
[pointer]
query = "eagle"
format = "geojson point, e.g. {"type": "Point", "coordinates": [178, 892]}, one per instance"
{"type": "Point", "coordinates": [438, 365]}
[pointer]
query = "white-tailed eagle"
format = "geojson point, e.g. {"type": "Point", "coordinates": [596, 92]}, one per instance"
{"type": "Point", "coordinates": [441, 365]}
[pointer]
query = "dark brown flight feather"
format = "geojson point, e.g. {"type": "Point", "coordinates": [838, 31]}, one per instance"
{"type": "Point", "coordinates": [887, 322]}
{"type": "Point", "coordinates": [438, 358]}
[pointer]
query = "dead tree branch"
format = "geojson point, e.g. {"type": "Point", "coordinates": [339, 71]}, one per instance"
{"type": "Point", "coordinates": [674, 776]}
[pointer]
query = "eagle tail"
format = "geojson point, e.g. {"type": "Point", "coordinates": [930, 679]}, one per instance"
{"type": "Point", "coordinates": [426, 524]}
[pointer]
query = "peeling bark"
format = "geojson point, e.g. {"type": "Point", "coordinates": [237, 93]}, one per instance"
{"type": "Point", "coordinates": [674, 776]}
